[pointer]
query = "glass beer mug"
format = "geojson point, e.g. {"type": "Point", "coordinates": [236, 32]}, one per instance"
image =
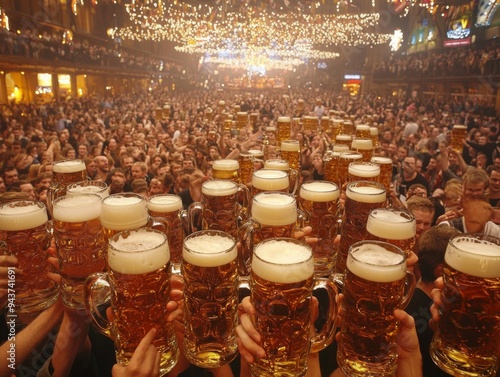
{"type": "Point", "coordinates": [466, 342]}
{"type": "Point", "coordinates": [24, 231]}
{"type": "Point", "coordinates": [64, 173]}
{"type": "Point", "coordinates": [138, 285]}
{"type": "Point", "coordinates": [210, 272]}
{"type": "Point", "coordinates": [281, 286]}
{"type": "Point", "coordinates": [376, 282]}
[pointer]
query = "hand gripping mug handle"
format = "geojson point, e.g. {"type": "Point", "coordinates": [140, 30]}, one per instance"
{"type": "Point", "coordinates": [97, 292]}
{"type": "Point", "coordinates": [325, 337]}
{"type": "Point", "coordinates": [194, 217]}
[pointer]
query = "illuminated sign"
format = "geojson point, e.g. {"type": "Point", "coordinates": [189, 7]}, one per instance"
{"type": "Point", "coordinates": [352, 77]}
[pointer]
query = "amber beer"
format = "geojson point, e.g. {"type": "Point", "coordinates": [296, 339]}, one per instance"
{"type": "Point", "coordinates": [374, 136]}
{"type": "Point", "coordinates": [318, 199]}
{"type": "Point", "coordinates": [80, 243]}
{"type": "Point", "coordinates": [139, 283]}
{"type": "Point", "coordinates": [281, 286]}
{"type": "Point", "coordinates": [348, 127]}
{"type": "Point", "coordinates": [123, 211]}
{"type": "Point", "coordinates": [209, 269]}
{"type": "Point", "coordinates": [89, 187]}
{"type": "Point", "coordinates": [310, 124]}
{"type": "Point", "coordinates": [345, 158]}
{"type": "Point", "coordinates": [246, 166]}
{"type": "Point", "coordinates": [169, 207]}
{"type": "Point", "coordinates": [466, 343]}
{"type": "Point", "coordinates": [221, 106]}
{"type": "Point", "coordinates": [395, 226]}
{"type": "Point", "coordinates": [226, 169]}
{"type": "Point", "coordinates": [385, 176]}
{"type": "Point", "coordinates": [219, 208]}
{"type": "Point", "coordinates": [241, 120]}
{"type": "Point", "coordinates": [23, 228]}
{"type": "Point", "coordinates": [362, 131]}
{"type": "Point", "coordinates": [363, 146]}
{"type": "Point", "coordinates": [361, 198]}
{"type": "Point", "coordinates": [284, 129]}
{"type": "Point", "coordinates": [360, 170]}
{"type": "Point", "coordinates": [343, 139]}
{"type": "Point", "coordinates": [374, 286]}
{"type": "Point", "coordinates": [330, 166]}
{"type": "Point", "coordinates": [458, 134]}
{"type": "Point", "coordinates": [64, 172]}
{"type": "Point", "coordinates": [269, 180]}
{"type": "Point", "coordinates": [290, 151]}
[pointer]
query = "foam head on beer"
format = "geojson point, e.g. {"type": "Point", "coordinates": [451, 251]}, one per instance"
{"type": "Point", "coordinates": [290, 146]}
{"type": "Point", "coordinates": [364, 169]}
{"type": "Point", "coordinates": [362, 144]}
{"type": "Point", "coordinates": [164, 203]}
{"type": "Point", "coordinates": [21, 215]}
{"type": "Point", "coordinates": [274, 208]}
{"type": "Point", "coordinates": [474, 257]}
{"type": "Point", "coordinates": [365, 194]}
{"type": "Point", "coordinates": [283, 261]}
{"type": "Point", "coordinates": [120, 212]}
{"type": "Point", "coordinates": [284, 120]}
{"type": "Point", "coordinates": [138, 252]}
{"type": "Point", "coordinates": [391, 224]}
{"type": "Point", "coordinates": [68, 166]}
{"type": "Point", "coordinates": [226, 165]}
{"type": "Point", "coordinates": [319, 191]}
{"type": "Point", "coordinates": [277, 164]}
{"type": "Point", "coordinates": [373, 262]}
{"type": "Point", "coordinates": [209, 249]}
{"type": "Point", "coordinates": [73, 209]}
{"type": "Point", "coordinates": [219, 187]}
{"type": "Point", "coordinates": [270, 180]}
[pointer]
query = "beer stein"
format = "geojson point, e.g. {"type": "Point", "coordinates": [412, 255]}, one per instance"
{"type": "Point", "coordinates": [64, 173]}
{"type": "Point", "coordinates": [158, 114]}
{"type": "Point", "coordinates": [219, 208]}
{"type": "Point", "coordinates": [348, 127]}
{"type": "Point", "coordinates": [284, 129]}
{"type": "Point", "coordinates": [254, 117]}
{"type": "Point", "coordinates": [124, 211]}
{"type": "Point", "coordinates": [281, 287]}
{"type": "Point", "coordinates": [80, 243]}
{"type": "Point", "coordinates": [376, 283]}
{"type": "Point", "coordinates": [226, 169]}
{"type": "Point", "coordinates": [466, 342]}
{"type": "Point", "coordinates": [290, 151]}
{"type": "Point", "coordinates": [241, 120]}
{"type": "Point", "coordinates": [210, 272]}
{"type": "Point", "coordinates": [374, 137]}
{"type": "Point", "coordinates": [247, 162]}
{"type": "Point", "coordinates": [166, 111]}
{"type": "Point", "coordinates": [325, 125]}
{"type": "Point", "coordinates": [363, 146]}
{"type": "Point", "coordinates": [169, 207]}
{"type": "Point", "coordinates": [310, 124]}
{"type": "Point", "coordinates": [458, 133]}
{"type": "Point", "coordinates": [385, 176]}
{"type": "Point", "coordinates": [343, 139]}
{"type": "Point", "coordinates": [395, 226]}
{"type": "Point", "coordinates": [362, 131]}
{"type": "Point", "coordinates": [361, 198]}
{"type": "Point", "coordinates": [360, 170]}
{"type": "Point", "coordinates": [23, 228]}
{"type": "Point", "coordinates": [270, 180]}
{"type": "Point", "coordinates": [318, 201]}
{"type": "Point", "coordinates": [279, 164]}
{"type": "Point", "coordinates": [138, 285]}
{"type": "Point", "coordinates": [273, 214]}
{"type": "Point", "coordinates": [345, 158]}
{"type": "Point", "coordinates": [89, 187]}
{"type": "Point", "coordinates": [330, 166]}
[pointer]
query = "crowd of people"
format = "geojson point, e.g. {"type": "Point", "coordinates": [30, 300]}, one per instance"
{"type": "Point", "coordinates": [126, 142]}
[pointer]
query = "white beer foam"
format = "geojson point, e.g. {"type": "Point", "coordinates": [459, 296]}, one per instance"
{"type": "Point", "coordinates": [290, 146]}
{"type": "Point", "coordinates": [15, 218]}
{"type": "Point", "coordinates": [226, 165]}
{"type": "Point", "coordinates": [270, 180]}
{"type": "Point", "coordinates": [164, 203]}
{"type": "Point", "coordinates": [362, 127]}
{"type": "Point", "coordinates": [350, 155]}
{"type": "Point", "coordinates": [69, 166]}
{"type": "Point", "coordinates": [209, 250]}
{"type": "Point", "coordinates": [319, 191]}
{"type": "Point", "coordinates": [274, 209]}
{"type": "Point", "coordinates": [366, 194]}
{"type": "Point", "coordinates": [459, 127]}
{"type": "Point", "coordinates": [373, 131]}
{"type": "Point", "coordinates": [282, 261]}
{"type": "Point", "coordinates": [381, 160]}
{"type": "Point", "coordinates": [219, 187]}
{"type": "Point", "coordinates": [89, 189]}
{"type": "Point", "coordinates": [284, 120]}
{"type": "Point", "coordinates": [277, 164]}
{"type": "Point", "coordinates": [343, 137]}
{"type": "Point", "coordinates": [141, 252]}
{"type": "Point", "coordinates": [481, 259]}
{"type": "Point", "coordinates": [374, 263]}
{"type": "Point", "coordinates": [364, 170]}
{"type": "Point", "coordinates": [390, 225]}
{"type": "Point", "coordinates": [362, 144]}
{"type": "Point", "coordinates": [123, 213]}
{"type": "Point", "coordinates": [73, 209]}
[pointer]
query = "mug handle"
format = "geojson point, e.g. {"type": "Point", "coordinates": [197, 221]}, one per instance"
{"type": "Point", "coordinates": [245, 250]}
{"type": "Point", "coordinates": [183, 216]}
{"type": "Point", "coordinates": [97, 292]}
{"type": "Point", "coordinates": [410, 282]}
{"type": "Point", "coordinates": [159, 223]}
{"type": "Point", "coordinates": [53, 193]}
{"type": "Point", "coordinates": [325, 337]}
{"type": "Point", "coordinates": [194, 214]}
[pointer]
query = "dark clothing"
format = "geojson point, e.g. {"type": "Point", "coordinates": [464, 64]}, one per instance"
{"type": "Point", "coordinates": [405, 185]}
{"type": "Point", "coordinates": [419, 309]}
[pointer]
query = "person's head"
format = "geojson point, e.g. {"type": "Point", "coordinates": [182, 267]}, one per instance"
{"type": "Point", "coordinates": [189, 151]}
{"type": "Point", "coordinates": [481, 160]}
{"type": "Point", "coordinates": [102, 164]}
{"type": "Point", "coordinates": [10, 175]}
{"type": "Point", "coordinates": [82, 151]}
{"type": "Point", "coordinates": [418, 190]}
{"type": "Point", "coordinates": [2, 186]}
{"type": "Point", "coordinates": [423, 210]}
{"type": "Point", "coordinates": [475, 182]}
{"type": "Point", "coordinates": [477, 212]}
{"type": "Point", "coordinates": [419, 165]}
{"type": "Point", "coordinates": [494, 179]}
{"type": "Point", "coordinates": [431, 248]}
{"type": "Point", "coordinates": [28, 188]}
{"type": "Point", "coordinates": [188, 163]}
{"type": "Point", "coordinates": [127, 162]}
{"type": "Point", "coordinates": [452, 196]}
{"type": "Point", "coordinates": [139, 170]}
{"type": "Point", "coordinates": [409, 166]}
{"type": "Point", "coordinates": [402, 152]}
{"type": "Point", "coordinates": [140, 186]}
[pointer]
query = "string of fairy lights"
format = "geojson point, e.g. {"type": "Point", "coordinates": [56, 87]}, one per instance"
{"type": "Point", "coordinates": [285, 38]}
